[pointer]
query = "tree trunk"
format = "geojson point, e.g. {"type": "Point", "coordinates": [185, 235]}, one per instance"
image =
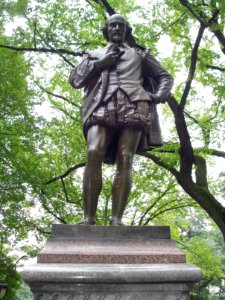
{"type": "Point", "coordinates": [205, 199]}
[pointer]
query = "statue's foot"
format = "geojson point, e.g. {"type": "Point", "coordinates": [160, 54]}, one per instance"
{"type": "Point", "coordinates": [116, 222]}
{"type": "Point", "coordinates": [86, 221]}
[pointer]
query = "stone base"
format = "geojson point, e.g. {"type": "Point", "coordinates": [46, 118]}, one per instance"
{"type": "Point", "coordinates": [110, 263]}
{"type": "Point", "coordinates": [110, 244]}
{"type": "Point", "coordinates": [111, 281]}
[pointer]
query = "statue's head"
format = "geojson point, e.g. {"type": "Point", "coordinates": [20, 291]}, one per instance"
{"type": "Point", "coordinates": [116, 29]}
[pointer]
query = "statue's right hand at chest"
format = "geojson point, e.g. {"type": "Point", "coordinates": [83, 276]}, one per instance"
{"type": "Point", "coordinates": [109, 59]}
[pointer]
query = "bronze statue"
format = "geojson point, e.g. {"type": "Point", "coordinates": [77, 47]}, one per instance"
{"type": "Point", "coordinates": [122, 86]}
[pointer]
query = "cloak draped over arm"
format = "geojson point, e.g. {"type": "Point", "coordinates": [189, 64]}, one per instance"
{"type": "Point", "coordinates": [83, 72]}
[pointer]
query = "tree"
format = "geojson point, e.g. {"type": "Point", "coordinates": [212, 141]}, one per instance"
{"type": "Point", "coordinates": [42, 158]}
{"type": "Point", "coordinates": [194, 50]}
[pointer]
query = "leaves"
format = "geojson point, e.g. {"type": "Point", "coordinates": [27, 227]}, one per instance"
{"type": "Point", "coordinates": [43, 154]}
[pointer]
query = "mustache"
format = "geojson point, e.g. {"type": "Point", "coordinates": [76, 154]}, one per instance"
{"type": "Point", "coordinates": [116, 31]}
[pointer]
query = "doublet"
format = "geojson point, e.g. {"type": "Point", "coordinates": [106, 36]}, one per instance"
{"type": "Point", "coordinates": [128, 76]}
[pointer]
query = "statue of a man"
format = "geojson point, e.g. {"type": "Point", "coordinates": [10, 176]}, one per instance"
{"type": "Point", "coordinates": [122, 86]}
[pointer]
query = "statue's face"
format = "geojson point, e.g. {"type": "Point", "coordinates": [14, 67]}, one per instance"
{"type": "Point", "coordinates": [116, 29]}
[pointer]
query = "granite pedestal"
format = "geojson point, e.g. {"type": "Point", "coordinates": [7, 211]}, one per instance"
{"type": "Point", "coordinates": [110, 263]}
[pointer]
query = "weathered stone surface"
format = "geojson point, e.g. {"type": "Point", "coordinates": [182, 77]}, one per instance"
{"type": "Point", "coordinates": [110, 263]}
{"type": "Point", "coordinates": [112, 273]}
{"type": "Point", "coordinates": [80, 232]}
{"type": "Point", "coordinates": [174, 292]}
{"type": "Point", "coordinates": [111, 244]}
{"type": "Point", "coordinates": [140, 295]}
{"type": "Point", "coordinates": [105, 282]}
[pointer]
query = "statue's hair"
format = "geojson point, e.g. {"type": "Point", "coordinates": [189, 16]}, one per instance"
{"type": "Point", "coordinates": [105, 30]}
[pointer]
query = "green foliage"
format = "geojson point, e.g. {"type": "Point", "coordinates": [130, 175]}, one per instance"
{"type": "Point", "coordinates": [18, 134]}
{"type": "Point", "coordinates": [8, 274]}
{"type": "Point", "coordinates": [206, 250]}
{"type": "Point", "coordinates": [36, 149]}
{"type": "Point", "coordinates": [24, 293]}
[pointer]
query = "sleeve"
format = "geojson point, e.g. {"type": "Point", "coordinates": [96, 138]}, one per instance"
{"type": "Point", "coordinates": [83, 72]}
{"type": "Point", "coordinates": [163, 79]}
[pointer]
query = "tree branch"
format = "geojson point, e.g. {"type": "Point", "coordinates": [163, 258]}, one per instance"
{"type": "Point", "coordinates": [153, 204]}
{"type": "Point", "coordinates": [170, 25]}
{"type": "Point", "coordinates": [193, 65]}
{"type": "Point", "coordinates": [58, 96]}
{"type": "Point", "coordinates": [161, 163]}
{"type": "Point", "coordinates": [214, 152]}
{"type": "Point", "coordinates": [185, 151]}
{"type": "Point", "coordinates": [205, 130]}
{"type": "Point", "coordinates": [210, 23]}
{"type": "Point", "coordinates": [66, 173]}
{"type": "Point", "coordinates": [53, 214]}
{"type": "Point", "coordinates": [165, 210]}
{"type": "Point", "coordinates": [109, 9]}
{"type": "Point", "coordinates": [35, 31]}
{"type": "Point", "coordinates": [204, 150]}
{"type": "Point", "coordinates": [219, 35]}
{"type": "Point", "coordinates": [42, 50]}
{"type": "Point", "coordinates": [215, 68]}
{"type": "Point", "coordinates": [186, 4]}
{"type": "Point", "coordinates": [191, 117]}
{"type": "Point", "coordinates": [35, 43]}
{"type": "Point", "coordinates": [209, 120]}
{"type": "Point", "coordinates": [67, 60]}
{"type": "Point", "coordinates": [201, 172]}
{"type": "Point", "coordinates": [65, 191]}
{"type": "Point", "coordinates": [66, 113]}
{"type": "Point", "coordinates": [41, 230]}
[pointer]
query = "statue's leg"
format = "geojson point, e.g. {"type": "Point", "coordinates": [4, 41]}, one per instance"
{"type": "Point", "coordinates": [98, 139]}
{"type": "Point", "coordinates": [127, 145]}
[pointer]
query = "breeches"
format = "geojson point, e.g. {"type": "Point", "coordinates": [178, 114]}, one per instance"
{"type": "Point", "coordinates": [119, 112]}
